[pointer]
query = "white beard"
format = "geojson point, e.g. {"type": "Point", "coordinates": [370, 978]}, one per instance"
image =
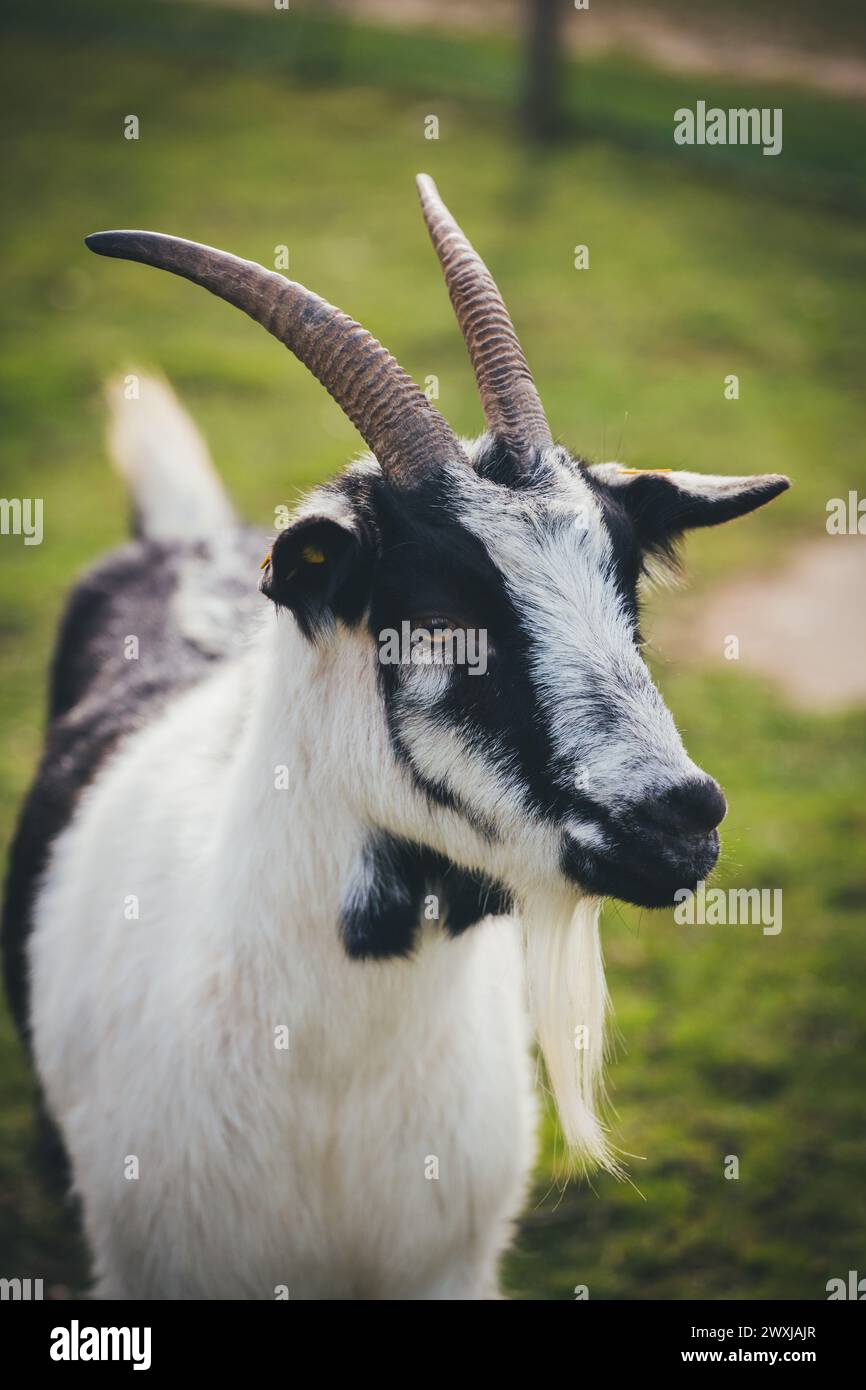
{"type": "Point", "coordinates": [568, 1001]}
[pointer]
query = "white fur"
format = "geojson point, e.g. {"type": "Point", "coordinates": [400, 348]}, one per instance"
{"type": "Point", "coordinates": [569, 1004]}
{"type": "Point", "coordinates": [155, 1037]}
{"type": "Point", "coordinates": [164, 461]}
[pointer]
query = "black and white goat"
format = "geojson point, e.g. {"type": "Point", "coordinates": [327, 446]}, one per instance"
{"type": "Point", "coordinates": [265, 908]}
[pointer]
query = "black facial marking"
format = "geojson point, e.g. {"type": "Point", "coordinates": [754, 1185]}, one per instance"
{"type": "Point", "coordinates": [430, 564]}
{"type": "Point", "coordinates": [434, 789]}
{"type": "Point", "coordinates": [400, 885]}
{"type": "Point", "coordinates": [628, 557]}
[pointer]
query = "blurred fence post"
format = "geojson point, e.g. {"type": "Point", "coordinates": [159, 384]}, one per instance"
{"type": "Point", "coordinates": [542, 105]}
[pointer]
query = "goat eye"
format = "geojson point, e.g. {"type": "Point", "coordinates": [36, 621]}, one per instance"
{"type": "Point", "coordinates": [433, 639]}
{"type": "Point", "coordinates": [436, 625]}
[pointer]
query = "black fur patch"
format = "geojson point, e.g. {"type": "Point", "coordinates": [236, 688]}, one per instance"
{"type": "Point", "coordinates": [497, 464]}
{"type": "Point", "coordinates": [391, 897]}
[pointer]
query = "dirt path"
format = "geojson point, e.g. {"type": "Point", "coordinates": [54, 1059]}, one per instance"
{"type": "Point", "coordinates": [804, 627]}
{"type": "Point", "coordinates": [714, 47]}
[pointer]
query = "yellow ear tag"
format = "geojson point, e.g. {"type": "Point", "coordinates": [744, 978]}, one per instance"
{"type": "Point", "coordinates": [312, 555]}
{"type": "Point", "coordinates": [646, 470]}
{"type": "Point", "coordinates": [265, 562]}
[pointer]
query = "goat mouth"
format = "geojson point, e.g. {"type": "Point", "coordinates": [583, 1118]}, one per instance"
{"type": "Point", "coordinates": [647, 873]}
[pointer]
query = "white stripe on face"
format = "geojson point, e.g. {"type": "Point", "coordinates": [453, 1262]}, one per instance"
{"type": "Point", "coordinates": [612, 735]}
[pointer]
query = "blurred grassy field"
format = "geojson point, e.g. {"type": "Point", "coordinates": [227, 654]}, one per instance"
{"type": "Point", "coordinates": [277, 129]}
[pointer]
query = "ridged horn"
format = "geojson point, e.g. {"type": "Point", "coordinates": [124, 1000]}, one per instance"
{"type": "Point", "coordinates": [512, 407]}
{"type": "Point", "coordinates": [396, 420]}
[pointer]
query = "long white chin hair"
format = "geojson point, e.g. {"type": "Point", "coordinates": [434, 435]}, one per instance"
{"type": "Point", "coordinates": [568, 1001]}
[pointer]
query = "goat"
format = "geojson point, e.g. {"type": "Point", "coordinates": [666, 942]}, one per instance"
{"type": "Point", "coordinates": [280, 913]}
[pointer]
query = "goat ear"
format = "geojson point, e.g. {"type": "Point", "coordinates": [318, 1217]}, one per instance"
{"type": "Point", "coordinates": [318, 567]}
{"type": "Point", "coordinates": [663, 504]}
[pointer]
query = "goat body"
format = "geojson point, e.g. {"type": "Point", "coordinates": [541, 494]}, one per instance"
{"type": "Point", "coordinates": [189, 910]}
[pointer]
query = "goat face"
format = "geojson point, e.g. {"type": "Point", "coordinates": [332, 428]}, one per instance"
{"type": "Point", "coordinates": [561, 760]}
{"type": "Point", "coordinates": [523, 705]}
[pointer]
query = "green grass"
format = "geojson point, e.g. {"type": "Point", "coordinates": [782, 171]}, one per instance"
{"type": "Point", "coordinates": [737, 1043]}
{"type": "Point", "coordinates": [253, 136]}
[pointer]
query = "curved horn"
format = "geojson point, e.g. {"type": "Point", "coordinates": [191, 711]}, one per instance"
{"type": "Point", "coordinates": [512, 407]}
{"type": "Point", "coordinates": [405, 432]}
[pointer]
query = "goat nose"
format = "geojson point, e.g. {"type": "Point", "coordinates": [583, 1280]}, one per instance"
{"type": "Point", "coordinates": [694, 807]}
